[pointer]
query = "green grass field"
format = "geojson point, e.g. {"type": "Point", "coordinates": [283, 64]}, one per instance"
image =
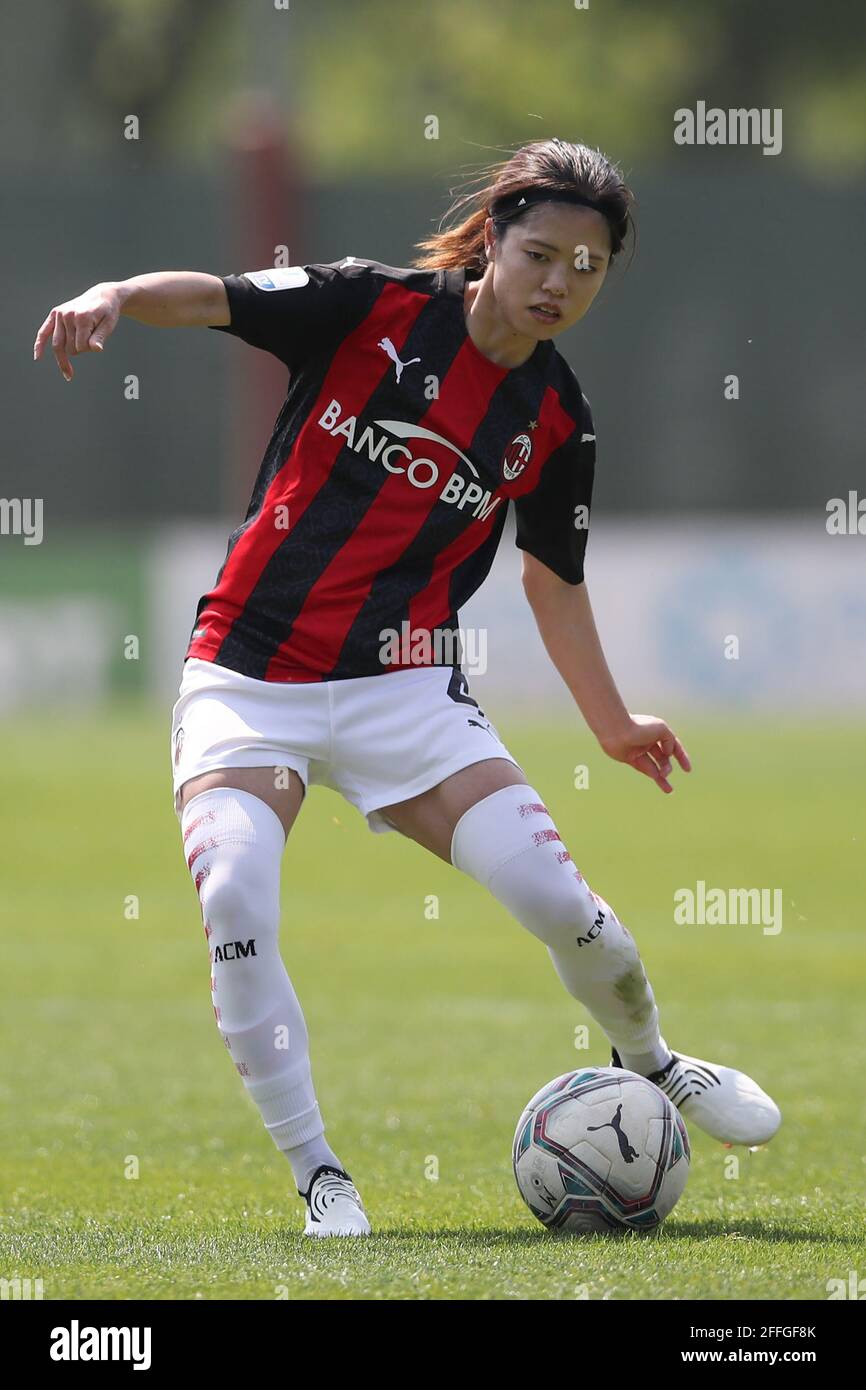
{"type": "Point", "coordinates": [427, 1036]}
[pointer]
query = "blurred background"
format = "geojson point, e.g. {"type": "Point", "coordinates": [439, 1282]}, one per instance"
{"type": "Point", "coordinates": [220, 135]}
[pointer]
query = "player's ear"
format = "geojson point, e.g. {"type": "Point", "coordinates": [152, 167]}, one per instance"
{"type": "Point", "coordinates": [489, 240]}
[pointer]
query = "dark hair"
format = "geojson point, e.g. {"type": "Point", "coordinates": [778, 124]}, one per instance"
{"type": "Point", "coordinates": [552, 164]}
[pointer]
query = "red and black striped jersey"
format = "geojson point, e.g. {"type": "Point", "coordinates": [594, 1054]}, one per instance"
{"type": "Point", "coordinates": [383, 492]}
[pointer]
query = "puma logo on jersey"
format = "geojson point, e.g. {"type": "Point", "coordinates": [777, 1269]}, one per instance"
{"type": "Point", "coordinates": [387, 346]}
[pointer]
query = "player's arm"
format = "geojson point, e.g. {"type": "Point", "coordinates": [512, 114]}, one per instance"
{"type": "Point", "coordinates": [565, 621]}
{"type": "Point", "coordinates": [567, 628]}
{"type": "Point", "coordinates": [163, 299]}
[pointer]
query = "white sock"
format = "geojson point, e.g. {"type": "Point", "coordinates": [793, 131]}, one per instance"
{"type": "Point", "coordinates": [646, 1062]}
{"type": "Point", "coordinates": [509, 843]}
{"type": "Point", "coordinates": [234, 844]}
{"type": "Point", "coordinates": [306, 1158]}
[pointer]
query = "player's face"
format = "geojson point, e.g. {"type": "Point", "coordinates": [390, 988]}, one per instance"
{"type": "Point", "coordinates": [557, 255]}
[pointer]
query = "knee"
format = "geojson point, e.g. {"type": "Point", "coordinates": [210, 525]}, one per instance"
{"type": "Point", "coordinates": [233, 846]}
{"type": "Point", "coordinates": [233, 902]}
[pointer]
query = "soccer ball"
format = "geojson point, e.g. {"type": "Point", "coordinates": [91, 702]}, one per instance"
{"type": "Point", "coordinates": [601, 1149]}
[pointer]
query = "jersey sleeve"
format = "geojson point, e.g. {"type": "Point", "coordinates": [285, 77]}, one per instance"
{"type": "Point", "coordinates": [294, 311]}
{"type": "Point", "coordinates": [553, 519]}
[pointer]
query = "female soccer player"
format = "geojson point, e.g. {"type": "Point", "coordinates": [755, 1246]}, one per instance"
{"type": "Point", "coordinates": [421, 401]}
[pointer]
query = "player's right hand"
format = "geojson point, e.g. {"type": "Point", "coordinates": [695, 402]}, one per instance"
{"type": "Point", "coordinates": [79, 325]}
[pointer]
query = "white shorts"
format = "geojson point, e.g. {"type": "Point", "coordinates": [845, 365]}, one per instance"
{"type": "Point", "coordinates": [375, 739]}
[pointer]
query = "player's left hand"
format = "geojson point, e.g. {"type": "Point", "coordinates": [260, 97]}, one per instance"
{"type": "Point", "coordinates": [647, 744]}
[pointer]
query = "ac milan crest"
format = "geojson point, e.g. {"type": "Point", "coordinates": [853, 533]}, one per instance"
{"type": "Point", "coordinates": [516, 457]}
{"type": "Point", "coordinates": [178, 745]}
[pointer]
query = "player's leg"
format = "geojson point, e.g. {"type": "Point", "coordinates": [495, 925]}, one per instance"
{"type": "Point", "coordinates": [502, 834]}
{"type": "Point", "coordinates": [486, 820]}
{"type": "Point", "coordinates": [235, 822]}
{"type": "Point", "coordinates": [491, 824]}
